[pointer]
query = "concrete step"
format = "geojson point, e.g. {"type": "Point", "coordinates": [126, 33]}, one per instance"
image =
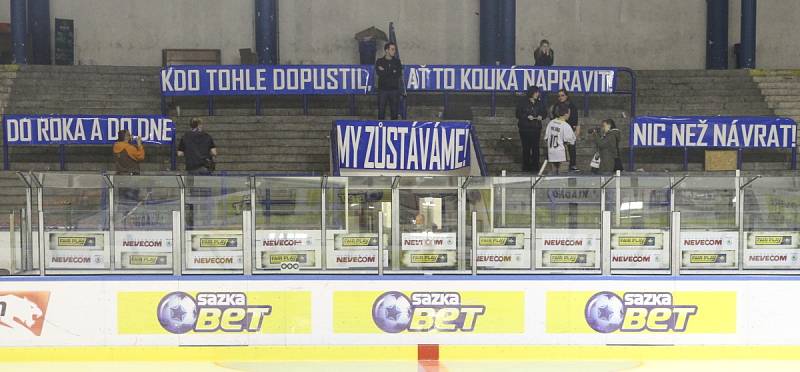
{"type": "Point", "coordinates": [776, 79]}
{"type": "Point", "coordinates": [305, 149]}
{"type": "Point", "coordinates": [779, 72]}
{"type": "Point", "coordinates": [665, 112]}
{"type": "Point", "coordinates": [771, 92]}
{"type": "Point", "coordinates": [84, 84]}
{"type": "Point", "coordinates": [775, 99]}
{"type": "Point", "coordinates": [705, 106]}
{"type": "Point", "coordinates": [57, 76]}
{"type": "Point", "coordinates": [73, 103]}
{"type": "Point", "coordinates": [647, 99]}
{"type": "Point", "coordinates": [699, 93]}
{"type": "Point", "coordinates": [780, 85]}
{"type": "Point", "coordinates": [91, 69]}
{"type": "Point", "coordinates": [643, 74]}
{"type": "Point", "coordinates": [793, 112]}
{"type": "Point", "coordinates": [784, 105]}
{"type": "Point", "coordinates": [88, 96]}
{"type": "Point", "coordinates": [83, 111]}
{"type": "Point", "coordinates": [262, 166]}
{"type": "Point", "coordinates": [698, 83]}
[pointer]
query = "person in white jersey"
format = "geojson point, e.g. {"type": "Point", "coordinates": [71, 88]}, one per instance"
{"type": "Point", "coordinates": [556, 134]}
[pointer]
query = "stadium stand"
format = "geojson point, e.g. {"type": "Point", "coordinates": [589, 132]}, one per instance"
{"type": "Point", "coordinates": [701, 92]}
{"type": "Point", "coordinates": [283, 139]}
{"type": "Point", "coordinates": [781, 90]}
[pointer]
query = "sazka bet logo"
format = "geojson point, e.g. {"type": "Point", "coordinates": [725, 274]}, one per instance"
{"type": "Point", "coordinates": [394, 312]}
{"type": "Point", "coordinates": [606, 312]}
{"type": "Point", "coordinates": [179, 312]}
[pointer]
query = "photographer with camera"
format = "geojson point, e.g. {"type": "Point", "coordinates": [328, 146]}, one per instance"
{"type": "Point", "coordinates": [127, 156]}
{"type": "Point", "coordinates": [607, 142]}
{"type": "Point", "coordinates": [530, 112]}
{"type": "Point", "coordinates": [199, 149]}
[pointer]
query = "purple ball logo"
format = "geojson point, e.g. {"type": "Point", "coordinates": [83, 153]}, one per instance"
{"type": "Point", "coordinates": [177, 312]}
{"type": "Point", "coordinates": [391, 312]}
{"type": "Point", "coordinates": [605, 312]}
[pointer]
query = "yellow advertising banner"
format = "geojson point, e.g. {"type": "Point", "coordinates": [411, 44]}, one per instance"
{"type": "Point", "coordinates": [396, 312]}
{"type": "Point", "coordinates": [640, 312]}
{"type": "Point", "coordinates": [208, 312]}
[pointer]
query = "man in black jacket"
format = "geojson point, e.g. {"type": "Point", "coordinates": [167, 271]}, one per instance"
{"type": "Point", "coordinates": [530, 112]}
{"type": "Point", "coordinates": [543, 55]}
{"type": "Point", "coordinates": [199, 149]}
{"type": "Point", "coordinates": [390, 77]}
{"type": "Point", "coordinates": [563, 96]}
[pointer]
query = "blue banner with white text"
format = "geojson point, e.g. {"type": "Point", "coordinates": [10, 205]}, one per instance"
{"type": "Point", "coordinates": [600, 80]}
{"type": "Point", "coordinates": [403, 145]}
{"type": "Point", "coordinates": [234, 80]}
{"type": "Point", "coordinates": [746, 132]}
{"type": "Point", "coordinates": [85, 129]}
{"type": "Point", "coordinates": [237, 80]}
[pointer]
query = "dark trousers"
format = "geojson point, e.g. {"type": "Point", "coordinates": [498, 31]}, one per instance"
{"type": "Point", "coordinates": [390, 98]}
{"type": "Point", "coordinates": [530, 149]}
{"type": "Point", "coordinates": [572, 154]}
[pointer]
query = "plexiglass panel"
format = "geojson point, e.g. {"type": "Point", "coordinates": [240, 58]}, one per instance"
{"type": "Point", "coordinates": [640, 222]}
{"type": "Point", "coordinates": [709, 236]}
{"type": "Point", "coordinates": [428, 222]}
{"type": "Point", "coordinates": [75, 208]}
{"type": "Point", "coordinates": [288, 223]}
{"type": "Point", "coordinates": [214, 237]}
{"type": "Point", "coordinates": [568, 217]}
{"type": "Point", "coordinates": [771, 217]}
{"type": "Point", "coordinates": [143, 221]}
{"type": "Point", "coordinates": [502, 207]}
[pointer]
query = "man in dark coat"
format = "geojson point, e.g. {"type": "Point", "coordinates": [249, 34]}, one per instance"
{"type": "Point", "coordinates": [530, 112]}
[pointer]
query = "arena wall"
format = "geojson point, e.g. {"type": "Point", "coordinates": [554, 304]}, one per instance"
{"type": "Point", "coordinates": [642, 34]}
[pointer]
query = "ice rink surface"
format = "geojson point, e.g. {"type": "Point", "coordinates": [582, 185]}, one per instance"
{"type": "Point", "coordinates": [408, 366]}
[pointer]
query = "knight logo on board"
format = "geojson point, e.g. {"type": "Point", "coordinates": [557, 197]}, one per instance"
{"type": "Point", "coordinates": [23, 313]}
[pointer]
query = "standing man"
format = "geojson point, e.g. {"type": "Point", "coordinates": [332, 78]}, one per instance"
{"type": "Point", "coordinates": [563, 97]}
{"type": "Point", "coordinates": [530, 112]}
{"type": "Point", "coordinates": [557, 134]}
{"type": "Point", "coordinates": [543, 55]}
{"type": "Point", "coordinates": [199, 149]}
{"type": "Point", "coordinates": [389, 71]}
{"type": "Point", "coordinates": [127, 156]}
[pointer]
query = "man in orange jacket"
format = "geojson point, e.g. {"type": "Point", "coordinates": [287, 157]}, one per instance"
{"type": "Point", "coordinates": [127, 156]}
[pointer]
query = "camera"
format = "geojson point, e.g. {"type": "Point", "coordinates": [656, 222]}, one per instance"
{"type": "Point", "coordinates": [592, 130]}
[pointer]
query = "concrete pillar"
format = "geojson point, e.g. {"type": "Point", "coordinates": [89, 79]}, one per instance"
{"type": "Point", "coordinates": [266, 22]}
{"type": "Point", "coordinates": [39, 21]}
{"type": "Point", "coordinates": [717, 34]}
{"type": "Point", "coordinates": [508, 33]}
{"type": "Point", "coordinates": [747, 55]}
{"type": "Point", "coordinates": [19, 30]}
{"type": "Point", "coordinates": [489, 32]}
